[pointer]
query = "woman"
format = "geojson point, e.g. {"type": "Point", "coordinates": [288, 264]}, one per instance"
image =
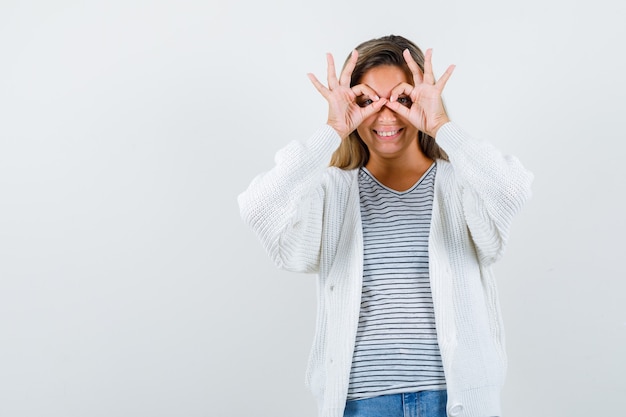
{"type": "Point", "coordinates": [402, 236]}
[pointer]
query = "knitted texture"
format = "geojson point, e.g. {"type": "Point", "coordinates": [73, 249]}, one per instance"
{"type": "Point", "coordinates": [307, 217]}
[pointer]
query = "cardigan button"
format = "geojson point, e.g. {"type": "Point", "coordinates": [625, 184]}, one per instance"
{"type": "Point", "coordinates": [332, 288]}
{"type": "Point", "coordinates": [456, 409]}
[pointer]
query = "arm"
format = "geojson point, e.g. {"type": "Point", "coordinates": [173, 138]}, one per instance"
{"type": "Point", "coordinates": [495, 187]}
{"type": "Point", "coordinates": [284, 207]}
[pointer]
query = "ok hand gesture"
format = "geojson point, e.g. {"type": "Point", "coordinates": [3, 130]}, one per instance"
{"type": "Point", "coordinates": [426, 112]}
{"type": "Point", "coordinates": [344, 113]}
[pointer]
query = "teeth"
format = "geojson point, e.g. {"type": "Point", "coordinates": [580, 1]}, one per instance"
{"type": "Point", "coordinates": [389, 133]}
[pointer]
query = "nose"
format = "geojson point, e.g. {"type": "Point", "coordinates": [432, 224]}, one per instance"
{"type": "Point", "coordinates": [386, 114]}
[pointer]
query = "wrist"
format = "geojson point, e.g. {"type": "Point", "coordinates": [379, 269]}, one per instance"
{"type": "Point", "coordinates": [341, 132]}
{"type": "Point", "coordinates": [437, 126]}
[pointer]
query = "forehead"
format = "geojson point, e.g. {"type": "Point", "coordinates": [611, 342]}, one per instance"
{"type": "Point", "coordinates": [383, 79]}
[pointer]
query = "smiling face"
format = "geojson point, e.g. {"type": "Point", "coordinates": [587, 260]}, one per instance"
{"type": "Point", "coordinates": [388, 136]}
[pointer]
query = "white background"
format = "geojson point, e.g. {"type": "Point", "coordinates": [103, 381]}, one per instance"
{"type": "Point", "coordinates": [129, 286]}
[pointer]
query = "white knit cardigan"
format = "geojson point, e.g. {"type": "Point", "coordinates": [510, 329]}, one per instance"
{"type": "Point", "coordinates": [307, 216]}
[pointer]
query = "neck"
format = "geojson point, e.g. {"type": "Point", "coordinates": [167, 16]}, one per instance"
{"type": "Point", "coordinates": [399, 173]}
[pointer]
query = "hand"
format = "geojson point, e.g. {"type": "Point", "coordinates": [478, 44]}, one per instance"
{"type": "Point", "coordinates": [344, 113]}
{"type": "Point", "coordinates": [426, 111]}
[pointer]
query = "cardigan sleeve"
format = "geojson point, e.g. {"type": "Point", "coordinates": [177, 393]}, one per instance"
{"type": "Point", "coordinates": [494, 188]}
{"type": "Point", "coordinates": [284, 206]}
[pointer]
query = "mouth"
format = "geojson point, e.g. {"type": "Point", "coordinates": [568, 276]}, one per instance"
{"type": "Point", "coordinates": [388, 134]}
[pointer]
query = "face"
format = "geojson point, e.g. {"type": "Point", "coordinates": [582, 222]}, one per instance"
{"type": "Point", "coordinates": [387, 134]}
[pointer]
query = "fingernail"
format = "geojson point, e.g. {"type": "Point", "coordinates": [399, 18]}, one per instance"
{"type": "Point", "coordinates": [376, 98]}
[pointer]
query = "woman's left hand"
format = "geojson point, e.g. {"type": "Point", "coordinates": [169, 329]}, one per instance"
{"type": "Point", "coordinates": [426, 110]}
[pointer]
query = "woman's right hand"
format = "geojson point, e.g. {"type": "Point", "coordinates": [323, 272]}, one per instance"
{"type": "Point", "coordinates": [345, 113]}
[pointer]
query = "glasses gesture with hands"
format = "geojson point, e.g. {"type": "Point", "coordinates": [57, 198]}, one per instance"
{"type": "Point", "coordinates": [424, 109]}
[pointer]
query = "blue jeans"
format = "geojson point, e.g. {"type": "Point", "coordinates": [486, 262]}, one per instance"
{"type": "Point", "coordinates": [413, 404]}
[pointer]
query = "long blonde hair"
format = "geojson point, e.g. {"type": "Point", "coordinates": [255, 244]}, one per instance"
{"type": "Point", "coordinates": [353, 153]}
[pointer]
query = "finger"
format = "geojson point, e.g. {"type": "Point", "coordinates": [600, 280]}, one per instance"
{"type": "Point", "coordinates": [429, 77]}
{"type": "Point", "coordinates": [346, 74]}
{"type": "Point", "coordinates": [441, 83]}
{"type": "Point", "coordinates": [365, 90]}
{"type": "Point", "coordinates": [398, 108]}
{"type": "Point", "coordinates": [318, 85]}
{"type": "Point", "coordinates": [374, 107]}
{"type": "Point", "coordinates": [415, 69]}
{"type": "Point", "coordinates": [400, 89]}
{"type": "Point", "coordinates": [331, 72]}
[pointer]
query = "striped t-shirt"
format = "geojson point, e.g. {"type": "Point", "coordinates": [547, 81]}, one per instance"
{"type": "Point", "coordinates": [396, 344]}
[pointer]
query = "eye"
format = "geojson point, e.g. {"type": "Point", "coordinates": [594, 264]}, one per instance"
{"type": "Point", "coordinates": [405, 101]}
{"type": "Point", "coordinates": [364, 102]}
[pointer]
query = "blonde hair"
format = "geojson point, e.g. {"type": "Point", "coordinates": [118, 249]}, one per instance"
{"type": "Point", "coordinates": [353, 153]}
